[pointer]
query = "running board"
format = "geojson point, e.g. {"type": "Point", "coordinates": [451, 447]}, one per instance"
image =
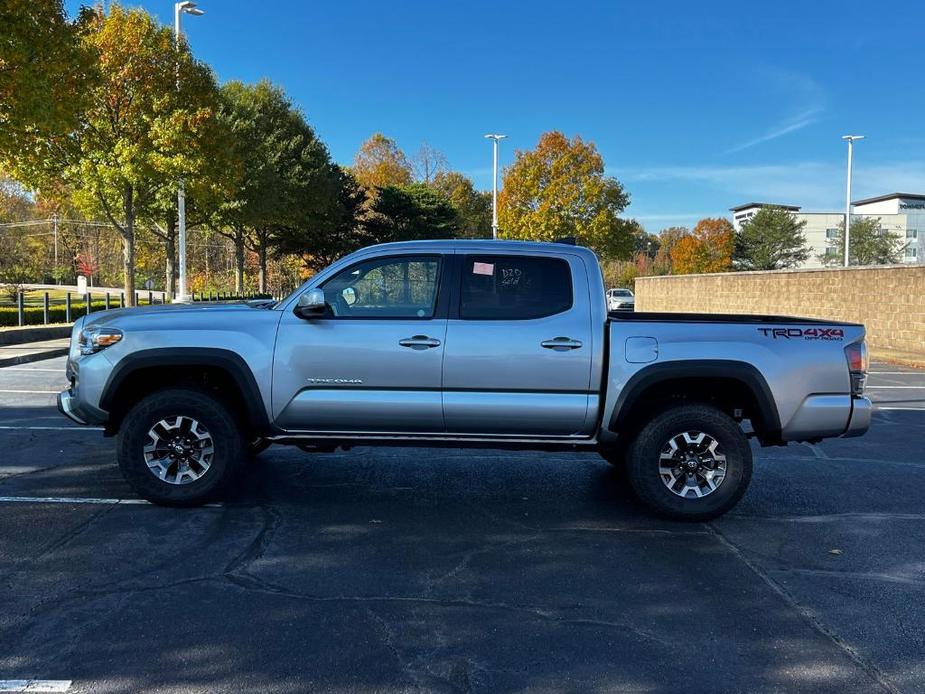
{"type": "Point", "coordinates": [436, 440]}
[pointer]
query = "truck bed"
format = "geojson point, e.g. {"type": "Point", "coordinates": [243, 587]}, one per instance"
{"type": "Point", "coordinates": [671, 317]}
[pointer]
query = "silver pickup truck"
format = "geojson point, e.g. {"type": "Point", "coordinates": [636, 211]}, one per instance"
{"type": "Point", "coordinates": [493, 344]}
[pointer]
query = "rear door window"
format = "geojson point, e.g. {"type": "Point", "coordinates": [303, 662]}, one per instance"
{"type": "Point", "coordinates": [510, 287]}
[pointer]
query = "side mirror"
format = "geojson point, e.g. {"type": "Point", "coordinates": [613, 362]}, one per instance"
{"type": "Point", "coordinates": [311, 304]}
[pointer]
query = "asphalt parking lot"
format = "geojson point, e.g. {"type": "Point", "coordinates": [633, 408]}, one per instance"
{"type": "Point", "coordinates": [416, 569]}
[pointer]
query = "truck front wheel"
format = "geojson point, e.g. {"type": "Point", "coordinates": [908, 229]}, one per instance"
{"type": "Point", "coordinates": [180, 447]}
{"type": "Point", "coordinates": [690, 462]}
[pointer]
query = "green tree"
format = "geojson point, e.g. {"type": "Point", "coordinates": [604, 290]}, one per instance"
{"type": "Point", "coordinates": [473, 207]}
{"type": "Point", "coordinates": [136, 130]}
{"type": "Point", "coordinates": [288, 181]}
{"type": "Point", "coordinates": [410, 213]}
{"type": "Point", "coordinates": [771, 240]}
{"type": "Point", "coordinates": [869, 244]}
{"type": "Point", "coordinates": [560, 189]}
{"type": "Point", "coordinates": [337, 231]}
{"type": "Point", "coordinates": [44, 72]}
{"type": "Point", "coordinates": [379, 163]}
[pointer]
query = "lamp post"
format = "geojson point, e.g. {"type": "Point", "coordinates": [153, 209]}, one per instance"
{"type": "Point", "coordinates": [494, 186]}
{"type": "Point", "coordinates": [850, 139]}
{"type": "Point", "coordinates": [181, 8]}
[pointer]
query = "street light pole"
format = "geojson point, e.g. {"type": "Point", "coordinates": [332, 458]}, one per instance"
{"type": "Point", "coordinates": [494, 186]}
{"type": "Point", "coordinates": [180, 8]}
{"type": "Point", "coordinates": [54, 222]}
{"type": "Point", "coordinates": [850, 139]}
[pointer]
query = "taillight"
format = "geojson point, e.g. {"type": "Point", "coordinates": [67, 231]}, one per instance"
{"type": "Point", "coordinates": [856, 354]}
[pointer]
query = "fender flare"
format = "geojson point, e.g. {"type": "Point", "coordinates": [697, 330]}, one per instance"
{"type": "Point", "coordinates": [740, 371]}
{"type": "Point", "coordinates": [212, 357]}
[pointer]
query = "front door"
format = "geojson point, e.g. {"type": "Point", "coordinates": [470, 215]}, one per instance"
{"type": "Point", "coordinates": [519, 347]}
{"type": "Point", "coordinates": [372, 363]}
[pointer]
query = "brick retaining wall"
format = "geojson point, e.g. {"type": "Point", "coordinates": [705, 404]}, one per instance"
{"type": "Point", "coordinates": [889, 300]}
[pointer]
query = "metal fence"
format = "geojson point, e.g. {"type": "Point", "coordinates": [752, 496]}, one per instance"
{"type": "Point", "coordinates": [54, 309]}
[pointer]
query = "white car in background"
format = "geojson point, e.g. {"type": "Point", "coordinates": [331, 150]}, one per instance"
{"type": "Point", "coordinates": [620, 300]}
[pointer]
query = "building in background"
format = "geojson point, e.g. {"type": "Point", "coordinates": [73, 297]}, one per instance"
{"type": "Point", "coordinates": [899, 213]}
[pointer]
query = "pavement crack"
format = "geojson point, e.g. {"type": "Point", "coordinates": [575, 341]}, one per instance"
{"type": "Point", "coordinates": [75, 532]}
{"type": "Point", "coordinates": [467, 557]}
{"type": "Point", "coordinates": [258, 546]}
{"type": "Point", "coordinates": [387, 636]}
{"type": "Point", "coordinates": [549, 614]}
{"type": "Point", "coordinates": [807, 614]}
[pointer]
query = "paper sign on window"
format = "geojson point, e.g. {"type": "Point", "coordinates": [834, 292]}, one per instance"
{"type": "Point", "coordinates": [483, 269]}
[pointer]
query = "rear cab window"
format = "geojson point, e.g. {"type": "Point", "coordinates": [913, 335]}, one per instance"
{"type": "Point", "coordinates": [512, 287]}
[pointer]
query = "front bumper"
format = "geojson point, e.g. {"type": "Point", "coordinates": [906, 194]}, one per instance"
{"type": "Point", "coordinates": [859, 422]}
{"type": "Point", "coordinates": [71, 407]}
{"type": "Point", "coordinates": [67, 406]}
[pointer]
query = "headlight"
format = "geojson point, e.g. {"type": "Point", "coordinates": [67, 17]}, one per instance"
{"type": "Point", "coordinates": [94, 339]}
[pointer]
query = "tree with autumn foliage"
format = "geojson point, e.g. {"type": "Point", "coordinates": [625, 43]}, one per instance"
{"type": "Point", "coordinates": [144, 105]}
{"type": "Point", "coordinates": [559, 189]}
{"type": "Point", "coordinates": [473, 207]}
{"type": "Point", "coordinates": [379, 163]}
{"type": "Point", "coordinates": [44, 72]}
{"type": "Point", "coordinates": [708, 248]}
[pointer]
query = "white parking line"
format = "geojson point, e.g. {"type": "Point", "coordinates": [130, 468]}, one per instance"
{"type": "Point", "coordinates": [894, 387]}
{"type": "Point", "coordinates": [75, 428]}
{"type": "Point", "coordinates": [68, 500]}
{"type": "Point", "coordinates": [61, 370]}
{"type": "Point", "coordinates": [82, 500]}
{"type": "Point", "coordinates": [903, 409]}
{"type": "Point", "coordinates": [32, 392]}
{"type": "Point", "coordinates": [888, 373]}
{"type": "Point", "coordinates": [35, 685]}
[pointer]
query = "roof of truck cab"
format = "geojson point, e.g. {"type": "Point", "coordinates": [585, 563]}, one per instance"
{"type": "Point", "coordinates": [480, 245]}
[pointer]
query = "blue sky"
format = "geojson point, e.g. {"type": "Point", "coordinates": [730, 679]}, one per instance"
{"type": "Point", "coordinates": [695, 107]}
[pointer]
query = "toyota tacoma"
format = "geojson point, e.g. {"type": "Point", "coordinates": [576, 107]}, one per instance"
{"type": "Point", "coordinates": [493, 344]}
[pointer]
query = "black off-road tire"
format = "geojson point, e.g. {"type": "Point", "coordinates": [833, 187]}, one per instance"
{"type": "Point", "coordinates": [643, 462]}
{"type": "Point", "coordinates": [224, 429]}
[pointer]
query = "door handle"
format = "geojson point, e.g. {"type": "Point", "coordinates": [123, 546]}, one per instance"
{"type": "Point", "coordinates": [419, 342]}
{"type": "Point", "coordinates": [561, 344]}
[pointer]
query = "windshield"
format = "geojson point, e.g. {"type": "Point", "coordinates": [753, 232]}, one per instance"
{"type": "Point", "coordinates": [620, 292]}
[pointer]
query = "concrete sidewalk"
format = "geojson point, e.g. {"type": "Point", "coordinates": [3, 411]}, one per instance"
{"type": "Point", "coordinates": [10, 355]}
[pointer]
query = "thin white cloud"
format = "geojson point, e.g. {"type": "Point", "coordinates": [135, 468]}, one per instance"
{"type": "Point", "coordinates": [672, 217]}
{"type": "Point", "coordinates": [802, 92]}
{"type": "Point", "coordinates": [815, 186]}
{"type": "Point", "coordinates": [807, 182]}
{"type": "Point", "coordinates": [797, 122]}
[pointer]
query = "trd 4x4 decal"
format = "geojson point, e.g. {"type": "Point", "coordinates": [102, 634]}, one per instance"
{"type": "Point", "coordinates": [804, 333]}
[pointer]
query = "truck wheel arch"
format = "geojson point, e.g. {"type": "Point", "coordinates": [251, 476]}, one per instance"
{"type": "Point", "coordinates": [185, 359]}
{"type": "Point", "coordinates": [660, 377]}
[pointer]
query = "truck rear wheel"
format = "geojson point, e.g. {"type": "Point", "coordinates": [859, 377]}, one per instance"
{"type": "Point", "coordinates": [690, 462]}
{"type": "Point", "coordinates": [180, 447]}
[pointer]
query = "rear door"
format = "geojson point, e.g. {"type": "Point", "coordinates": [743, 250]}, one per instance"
{"type": "Point", "coordinates": [519, 346]}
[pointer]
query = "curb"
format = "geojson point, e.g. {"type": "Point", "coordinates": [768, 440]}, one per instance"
{"type": "Point", "coordinates": [35, 356]}
{"type": "Point", "coordinates": [40, 333]}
